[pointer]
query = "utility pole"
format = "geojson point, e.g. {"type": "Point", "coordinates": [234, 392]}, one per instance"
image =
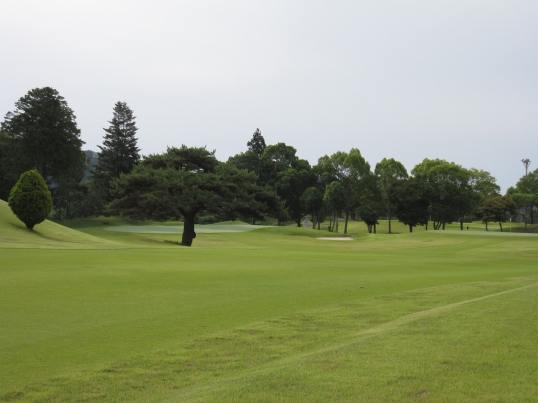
{"type": "Point", "coordinates": [526, 162]}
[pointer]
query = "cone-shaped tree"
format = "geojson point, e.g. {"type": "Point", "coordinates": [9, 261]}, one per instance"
{"type": "Point", "coordinates": [257, 143]}
{"type": "Point", "coordinates": [30, 199]}
{"type": "Point", "coordinates": [119, 152]}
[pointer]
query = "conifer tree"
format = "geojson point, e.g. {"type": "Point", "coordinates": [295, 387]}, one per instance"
{"type": "Point", "coordinates": [257, 143]}
{"type": "Point", "coordinates": [41, 133]}
{"type": "Point", "coordinates": [30, 199]}
{"type": "Point", "coordinates": [119, 152]}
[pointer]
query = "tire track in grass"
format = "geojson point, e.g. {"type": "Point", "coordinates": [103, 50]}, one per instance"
{"type": "Point", "coordinates": [221, 382]}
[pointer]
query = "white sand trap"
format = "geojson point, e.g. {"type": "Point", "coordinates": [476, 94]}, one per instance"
{"type": "Point", "coordinates": [336, 239]}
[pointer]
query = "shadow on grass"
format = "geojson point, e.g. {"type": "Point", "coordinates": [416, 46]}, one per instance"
{"type": "Point", "coordinates": [178, 243]}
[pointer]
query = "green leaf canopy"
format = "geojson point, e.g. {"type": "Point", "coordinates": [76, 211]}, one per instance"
{"type": "Point", "coordinates": [185, 181]}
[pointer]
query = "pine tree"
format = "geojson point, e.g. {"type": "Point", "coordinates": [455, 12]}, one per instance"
{"type": "Point", "coordinates": [257, 143]}
{"type": "Point", "coordinates": [119, 152]}
{"type": "Point", "coordinates": [42, 134]}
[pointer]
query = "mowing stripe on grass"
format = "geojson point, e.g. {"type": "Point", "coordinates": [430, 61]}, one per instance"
{"type": "Point", "coordinates": [353, 340]}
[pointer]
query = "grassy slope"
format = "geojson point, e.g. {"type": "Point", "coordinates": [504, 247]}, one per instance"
{"type": "Point", "coordinates": [13, 234]}
{"type": "Point", "coordinates": [271, 315]}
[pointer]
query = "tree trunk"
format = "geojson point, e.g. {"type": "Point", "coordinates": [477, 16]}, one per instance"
{"type": "Point", "coordinates": [410, 228]}
{"type": "Point", "coordinates": [501, 225]}
{"type": "Point", "coordinates": [188, 229]}
{"type": "Point", "coordinates": [427, 225]}
{"type": "Point", "coordinates": [313, 220]}
{"type": "Point", "coordinates": [443, 226]}
{"type": "Point", "coordinates": [252, 221]}
{"type": "Point", "coordinates": [336, 222]}
{"type": "Point", "coordinates": [461, 222]}
{"type": "Point", "coordinates": [299, 222]}
{"type": "Point", "coordinates": [487, 226]}
{"type": "Point", "coordinates": [390, 216]}
{"type": "Point", "coordinates": [345, 225]}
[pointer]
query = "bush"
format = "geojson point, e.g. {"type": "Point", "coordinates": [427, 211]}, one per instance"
{"type": "Point", "coordinates": [30, 199]}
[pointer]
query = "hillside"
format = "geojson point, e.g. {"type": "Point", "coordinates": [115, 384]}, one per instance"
{"type": "Point", "coordinates": [13, 234]}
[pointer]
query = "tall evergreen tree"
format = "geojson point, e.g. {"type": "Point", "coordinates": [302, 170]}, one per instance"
{"type": "Point", "coordinates": [42, 134]}
{"type": "Point", "coordinates": [6, 176]}
{"type": "Point", "coordinates": [119, 152]}
{"type": "Point", "coordinates": [257, 143]}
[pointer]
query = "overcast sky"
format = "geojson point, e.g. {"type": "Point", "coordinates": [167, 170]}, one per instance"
{"type": "Point", "coordinates": [456, 80]}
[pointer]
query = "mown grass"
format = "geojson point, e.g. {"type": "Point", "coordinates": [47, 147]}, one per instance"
{"type": "Point", "coordinates": [269, 315]}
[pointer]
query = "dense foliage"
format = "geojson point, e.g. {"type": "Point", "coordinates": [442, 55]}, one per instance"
{"type": "Point", "coordinates": [410, 200]}
{"type": "Point", "coordinates": [119, 152]}
{"type": "Point", "coordinates": [30, 199]}
{"type": "Point", "coordinates": [42, 134]}
{"type": "Point", "coordinates": [387, 172]}
{"type": "Point", "coordinates": [186, 181]}
{"type": "Point", "coordinates": [497, 209]}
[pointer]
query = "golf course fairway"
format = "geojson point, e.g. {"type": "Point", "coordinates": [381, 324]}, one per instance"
{"type": "Point", "coordinates": [271, 315]}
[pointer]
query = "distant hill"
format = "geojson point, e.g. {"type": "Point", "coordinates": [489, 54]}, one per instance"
{"type": "Point", "coordinates": [92, 157]}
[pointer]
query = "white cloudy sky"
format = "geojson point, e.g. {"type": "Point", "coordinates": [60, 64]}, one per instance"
{"type": "Point", "coordinates": [456, 80]}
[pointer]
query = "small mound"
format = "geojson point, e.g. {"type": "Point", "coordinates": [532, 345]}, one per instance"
{"type": "Point", "coordinates": [335, 239]}
{"type": "Point", "coordinates": [14, 234]}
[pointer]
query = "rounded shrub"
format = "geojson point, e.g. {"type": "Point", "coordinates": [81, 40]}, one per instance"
{"type": "Point", "coordinates": [30, 199]}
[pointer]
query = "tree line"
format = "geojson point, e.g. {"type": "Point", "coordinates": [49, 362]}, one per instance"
{"type": "Point", "coordinates": [189, 183]}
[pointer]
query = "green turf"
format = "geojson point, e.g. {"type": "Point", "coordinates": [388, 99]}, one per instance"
{"type": "Point", "coordinates": [13, 234]}
{"type": "Point", "coordinates": [269, 315]}
{"type": "Point", "coordinates": [178, 229]}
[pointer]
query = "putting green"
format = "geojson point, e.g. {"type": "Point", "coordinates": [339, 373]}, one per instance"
{"type": "Point", "coordinates": [200, 229]}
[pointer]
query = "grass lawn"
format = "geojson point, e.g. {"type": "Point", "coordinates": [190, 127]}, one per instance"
{"type": "Point", "coordinates": [270, 315]}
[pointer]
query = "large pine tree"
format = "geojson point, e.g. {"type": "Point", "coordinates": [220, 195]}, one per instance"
{"type": "Point", "coordinates": [257, 143]}
{"type": "Point", "coordinates": [119, 152]}
{"type": "Point", "coordinates": [41, 133]}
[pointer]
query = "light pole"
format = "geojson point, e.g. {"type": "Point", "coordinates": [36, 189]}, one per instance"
{"type": "Point", "coordinates": [526, 162]}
